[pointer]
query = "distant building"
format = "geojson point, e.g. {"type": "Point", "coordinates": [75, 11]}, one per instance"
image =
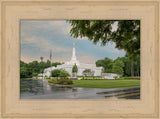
{"type": "Point", "coordinates": [110, 75]}
{"type": "Point", "coordinates": [67, 66]}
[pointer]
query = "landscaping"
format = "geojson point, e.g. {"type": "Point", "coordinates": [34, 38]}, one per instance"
{"type": "Point", "coordinates": [96, 83]}
{"type": "Point", "coordinates": [61, 81]}
{"type": "Point", "coordinates": [105, 83]}
{"type": "Point", "coordinates": [61, 77]}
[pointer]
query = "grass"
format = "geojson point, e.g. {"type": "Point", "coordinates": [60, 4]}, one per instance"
{"type": "Point", "coordinates": [106, 83]}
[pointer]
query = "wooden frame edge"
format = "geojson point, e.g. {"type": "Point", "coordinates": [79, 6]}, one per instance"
{"type": "Point", "coordinates": [3, 4]}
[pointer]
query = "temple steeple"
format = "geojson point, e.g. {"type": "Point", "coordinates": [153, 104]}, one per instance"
{"type": "Point", "coordinates": [73, 60]}
{"type": "Point", "coordinates": [73, 53]}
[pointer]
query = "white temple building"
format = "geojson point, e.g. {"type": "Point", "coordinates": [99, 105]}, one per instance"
{"type": "Point", "coordinates": [67, 66]}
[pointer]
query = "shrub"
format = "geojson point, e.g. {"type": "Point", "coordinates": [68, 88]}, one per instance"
{"type": "Point", "coordinates": [61, 81]}
{"type": "Point", "coordinates": [131, 78]}
{"type": "Point", "coordinates": [68, 81]}
{"type": "Point", "coordinates": [65, 81]}
{"type": "Point", "coordinates": [54, 80]}
{"type": "Point", "coordinates": [119, 79]}
{"type": "Point", "coordinates": [59, 73]}
{"type": "Point", "coordinates": [55, 73]}
{"type": "Point", "coordinates": [115, 77]}
{"type": "Point", "coordinates": [64, 74]}
{"type": "Point", "coordinates": [47, 77]}
{"type": "Point", "coordinates": [50, 81]}
{"type": "Point", "coordinates": [92, 79]}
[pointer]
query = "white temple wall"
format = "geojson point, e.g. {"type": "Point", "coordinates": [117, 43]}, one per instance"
{"type": "Point", "coordinates": [69, 65]}
{"type": "Point", "coordinates": [69, 70]}
{"type": "Point", "coordinates": [98, 72]}
{"type": "Point", "coordinates": [80, 72]}
{"type": "Point", "coordinates": [46, 74]}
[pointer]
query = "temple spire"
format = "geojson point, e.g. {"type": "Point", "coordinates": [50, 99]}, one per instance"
{"type": "Point", "coordinates": [74, 53]}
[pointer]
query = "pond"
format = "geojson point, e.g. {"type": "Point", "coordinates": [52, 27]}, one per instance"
{"type": "Point", "coordinates": [39, 89]}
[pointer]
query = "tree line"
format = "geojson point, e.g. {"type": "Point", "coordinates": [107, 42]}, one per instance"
{"type": "Point", "coordinates": [28, 70]}
{"type": "Point", "coordinates": [122, 65]}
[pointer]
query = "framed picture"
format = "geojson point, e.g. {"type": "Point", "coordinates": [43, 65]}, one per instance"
{"type": "Point", "coordinates": [79, 59]}
{"type": "Point", "coordinates": [51, 68]}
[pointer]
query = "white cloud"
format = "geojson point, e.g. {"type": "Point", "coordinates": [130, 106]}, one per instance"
{"type": "Point", "coordinates": [26, 59]}
{"type": "Point", "coordinates": [66, 30]}
{"type": "Point", "coordinates": [60, 26]}
{"type": "Point", "coordinates": [87, 59]}
{"type": "Point", "coordinates": [37, 40]}
{"type": "Point", "coordinates": [43, 44]}
{"type": "Point", "coordinates": [56, 23]}
{"type": "Point", "coordinates": [83, 38]}
{"type": "Point", "coordinates": [28, 40]}
{"type": "Point", "coordinates": [114, 26]}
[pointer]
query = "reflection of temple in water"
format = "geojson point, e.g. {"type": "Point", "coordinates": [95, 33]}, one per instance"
{"type": "Point", "coordinates": [69, 65]}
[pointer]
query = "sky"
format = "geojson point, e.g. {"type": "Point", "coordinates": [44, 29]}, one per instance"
{"type": "Point", "coordinates": [38, 37]}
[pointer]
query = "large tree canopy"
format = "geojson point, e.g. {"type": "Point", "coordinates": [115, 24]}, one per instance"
{"type": "Point", "coordinates": [126, 36]}
{"type": "Point", "coordinates": [106, 63]}
{"type": "Point", "coordinates": [28, 70]}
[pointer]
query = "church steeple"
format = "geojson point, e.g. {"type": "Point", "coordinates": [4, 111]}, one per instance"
{"type": "Point", "coordinates": [73, 53]}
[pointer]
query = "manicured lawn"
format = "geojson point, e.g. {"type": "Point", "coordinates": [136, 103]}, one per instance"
{"type": "Point", "coordinates": [106, 83]}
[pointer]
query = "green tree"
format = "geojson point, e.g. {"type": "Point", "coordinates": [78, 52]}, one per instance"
{"type": "Point", "coordinates": [64, 74]}
{"type": "Point", "coordinates": [106, 63]}
{"type": "Point", "coordinates": [126, 36]}
{"type": "Point", "coordinates": [41, 59]}
{"type": "Point", "coordinates": [28, 70]}
{"type": "Point", "coordinates": [88, 72]}
{"type": "Point", "coordinates": [75, 69]}
{"type": "Point", "coordinates": [126, 68]}
{"type": "Point", "coordinates": [35, 74]}
{"type": "Point", "coordinates": [56, 63]}
{"type": "Point", "coordinates": [118, 67]}
{"type": "Point", "coordinates": [55, 73]}
{"type": "Point", "coordinates": [42, 67]}
{"type": "Point", "coordinates": [132, 66]}
{"type": "Point", "coordinates": [23, 64]}
{"type": "Point", "coordinates": [34, 67]}
{"type": "Point", "coordinates": [137, 65]}
{"type": "Point", "coordinates": [59, 73]}
{"type": "Point", "coordinates": [23, 72]}
{"type": "Point", "coordinates": [48, 63]}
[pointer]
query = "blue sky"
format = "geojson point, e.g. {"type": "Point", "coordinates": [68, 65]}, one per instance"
{"type": "Point", "coordinates": [38, 37]}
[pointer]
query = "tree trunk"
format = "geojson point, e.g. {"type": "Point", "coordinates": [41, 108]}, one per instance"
{"type": "Point", "coordinates": [137, 70]}
{"type": "Point", "coordinates": [132, 68]}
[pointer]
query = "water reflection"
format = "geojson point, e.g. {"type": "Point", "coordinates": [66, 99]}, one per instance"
{"type": "Point", "coordinates": [38, 89]}
{"type": "Point", "coordinates": [31, 86]}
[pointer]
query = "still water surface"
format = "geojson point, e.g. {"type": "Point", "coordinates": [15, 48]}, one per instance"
{"type": "Point", "coordinates": [38, 89]}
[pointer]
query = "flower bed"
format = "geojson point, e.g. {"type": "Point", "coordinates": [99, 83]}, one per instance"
{"type": "Point", "coordinates": [61, 81]}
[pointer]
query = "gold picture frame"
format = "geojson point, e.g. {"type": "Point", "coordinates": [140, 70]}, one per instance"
{"type": "Point", "coordinates": [12, 11]}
